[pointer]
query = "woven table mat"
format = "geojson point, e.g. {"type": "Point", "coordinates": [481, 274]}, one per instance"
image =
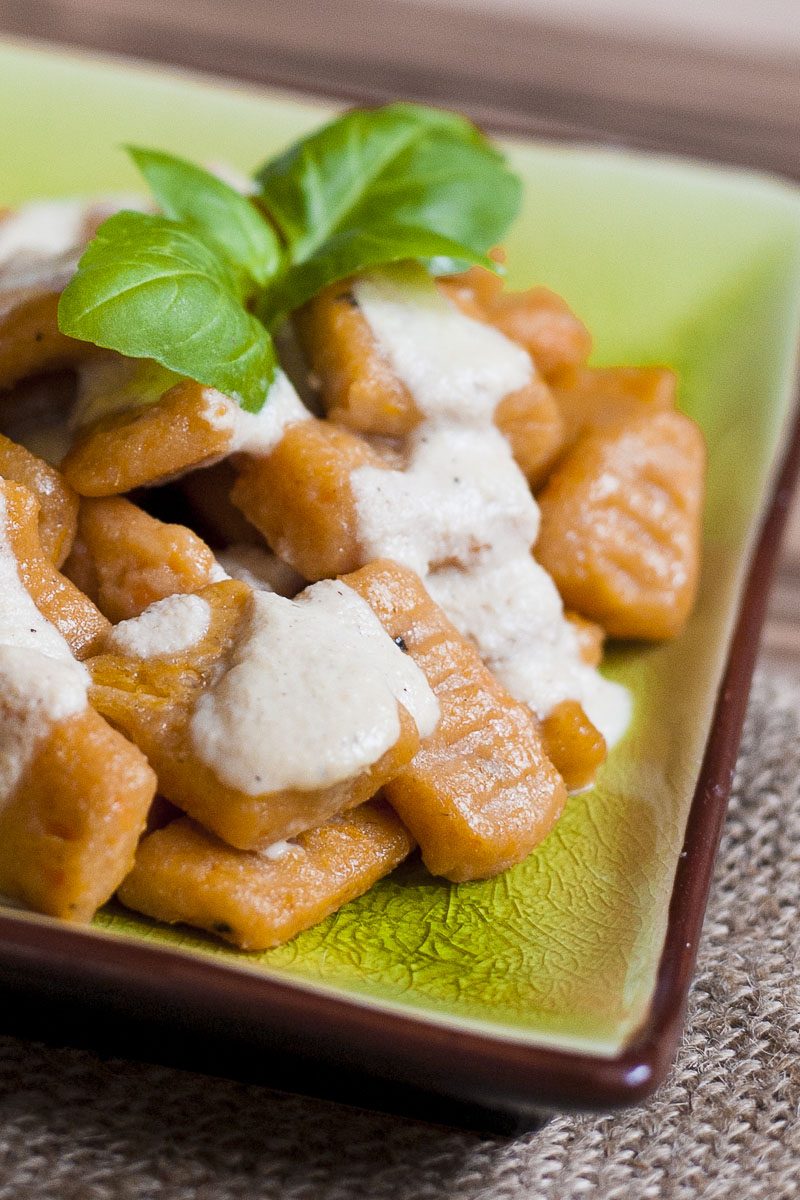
{"type": "Point", "coordinates": [724, 1124]}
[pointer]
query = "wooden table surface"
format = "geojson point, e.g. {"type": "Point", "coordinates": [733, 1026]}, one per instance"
{"type": "Point", "coordinates": [734, 103]}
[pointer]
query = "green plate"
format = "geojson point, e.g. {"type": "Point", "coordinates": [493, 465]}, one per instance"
{"type": "Point", "coordinates": [668, 262]}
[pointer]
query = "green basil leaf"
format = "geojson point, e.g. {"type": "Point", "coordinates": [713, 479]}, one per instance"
{"type": "Point", "coordinates": [215, 211]}
{"type": "Point", "coordinates": [456, 187]}
{"type": "Point", "coordinates": [355, 250]}
{"type": "Point", "coordinates": [401, 165]}
{"type": "Point", "coordinates": [310, 189]}
{"type": "Point", "coordinates": [150, 288]}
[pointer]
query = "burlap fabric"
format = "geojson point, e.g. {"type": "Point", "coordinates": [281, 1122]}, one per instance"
{"type": "Point", "coordinates": [725, 1124]}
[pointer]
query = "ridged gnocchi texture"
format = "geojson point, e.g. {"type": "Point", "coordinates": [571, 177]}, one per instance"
{"type": "Point", "coordinates": [480, 793]}
{"type": "Point", "coordinates": [620, 530]}
{"type": "Point", "coordinates": [125, 560]}
{"type": "Point", "coordinates": [184, 873]}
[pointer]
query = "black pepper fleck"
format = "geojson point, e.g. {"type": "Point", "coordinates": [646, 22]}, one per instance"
{"type": "Point", "coordinates": [401, 642]}
{"type": "Point", "coordinates": [348, 298]}
{"type": "Point", "coordinates": [38, 336]}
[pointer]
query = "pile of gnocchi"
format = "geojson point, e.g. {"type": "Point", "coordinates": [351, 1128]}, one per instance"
{"type": "Point", "coordinates": [249, 662]}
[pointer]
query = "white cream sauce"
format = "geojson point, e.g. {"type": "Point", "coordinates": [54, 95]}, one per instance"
{"type": "Point", "coordinates": [23, 283]}
{"type": "Point", "coordinates": [513, 613]}
{"type": "Point", "coordinates": [217, 573]}
{"type": "Point", "coordinates": [309, 696]}
{"type": "Point", "coordinates": [42, 229]}
{"type": "Point", "coordinates": [167, 628]}
{"type": "Point", "coordinates": [257, 433]}
{"type": "Point", "coordinates": [456, 369]}
{"type": "Point", "coordinates": [455, 500]}
{"type": "Point", "coordinates": [41, 242]}
{"type": "Point", "coordinates": [40, 681]}
{"type": "Point", "coordinates": [278, 850]}
{"type": "Point", "coordinates": [259, 568]}
{"type": "Point", "coordinates": [461, 513]}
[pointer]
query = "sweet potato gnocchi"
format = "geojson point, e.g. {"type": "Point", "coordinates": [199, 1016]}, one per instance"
{"type": "Point", "coordinates": [385, 661]}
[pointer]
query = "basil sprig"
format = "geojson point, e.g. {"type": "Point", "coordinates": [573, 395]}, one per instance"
{"type": "Point", "coordinates": [201, 287]}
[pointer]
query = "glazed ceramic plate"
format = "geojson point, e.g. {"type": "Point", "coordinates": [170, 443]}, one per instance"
{"type": "Point", "coordinates": [564, 980]}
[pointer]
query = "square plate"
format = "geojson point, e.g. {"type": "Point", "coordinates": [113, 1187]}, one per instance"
{"type": "Point", "coordinates": [563, 981]}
